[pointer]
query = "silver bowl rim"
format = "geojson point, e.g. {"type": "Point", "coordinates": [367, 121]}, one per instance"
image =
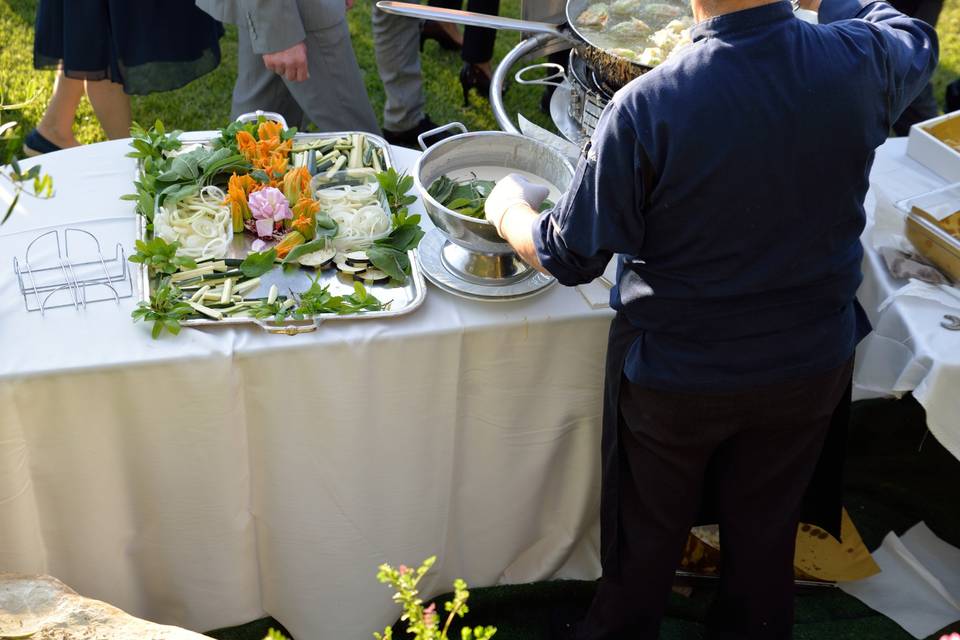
{"type": "Point", "coordinates": [474, 134]}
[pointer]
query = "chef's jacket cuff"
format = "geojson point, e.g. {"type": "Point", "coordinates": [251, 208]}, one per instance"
{"type": "Point", "coordinates": [550, 250]}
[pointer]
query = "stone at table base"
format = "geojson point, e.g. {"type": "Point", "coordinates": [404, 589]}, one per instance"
{"type": "Point", "coordinates": [44, 608]}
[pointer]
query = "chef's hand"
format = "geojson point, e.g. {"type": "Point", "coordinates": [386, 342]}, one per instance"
{"type": "Point", "coordinates": [511, 190]}
{"type": "Point", "coordinates": [290, 63]}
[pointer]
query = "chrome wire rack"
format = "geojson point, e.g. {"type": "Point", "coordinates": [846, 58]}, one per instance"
{"type": "Point", "coordinates": [51, 276]}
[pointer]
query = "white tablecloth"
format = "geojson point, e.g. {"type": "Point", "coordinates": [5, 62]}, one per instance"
{"type": "Point", "coordinates": [211, 478]}
{"type": "Point", "coordinates": [908, 350]}
{"type": "Point", "coordinates": [208, 479]}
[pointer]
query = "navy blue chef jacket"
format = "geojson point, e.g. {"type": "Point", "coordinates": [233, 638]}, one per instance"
{"type": "Point", "coordinates": [731, 178]}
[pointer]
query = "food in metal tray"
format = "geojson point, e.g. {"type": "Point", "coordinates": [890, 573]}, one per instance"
{"type": "Point", "coordinates": [660, 12]}
{"type": "Point", "coordinates": [643, 32]}
{"type": "Point", "coordinates": [354, 151]}
{"type": "Point", "coordinates": [628, 8]}
{"type": "Point", "coordinates": [632, 28]}
{"type": "Point", "coordinates": [200, 223]}
{"type": "Point", "coordinates": [466, 197]}
{"type": "Point", "coordinates": [244, 183]}
{"type": "Point", "coordinates": [596, 15]}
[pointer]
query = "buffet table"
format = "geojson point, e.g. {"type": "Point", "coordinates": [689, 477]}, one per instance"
{"type": "Point", "coordinates": [208, 479]}
{"type": "Point", "coordinates": [908, 350]}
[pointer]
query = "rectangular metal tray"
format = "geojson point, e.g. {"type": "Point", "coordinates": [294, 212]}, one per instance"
{"type": "Point", "coordinates": [402, 299]}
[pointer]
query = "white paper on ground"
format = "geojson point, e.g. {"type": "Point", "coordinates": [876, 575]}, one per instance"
{"type": "Point", "coordinates": [918, 586]}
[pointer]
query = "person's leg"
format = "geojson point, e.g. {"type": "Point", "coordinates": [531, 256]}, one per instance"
{"type": "Point", "coordinates": [445, 33]}
{"type": "Point", "coordinates": [259, 88]}
{"type": "Point", "coordinates": [334, 98]}
{"type": "Point", "coordinates": [112, 107]}
{"type": "Point", "coordinates": [761, 475]}
{"type": "Point", "coordinates": [665, 445]}
{"type": "Point", "coordinates": [477, 52]}
{"type": "Point", "coordinates": [398, 63]}
{"type": "Point", "coordinates": [478, 42]}
{"type": "Point", "coordinates": [57, 122]}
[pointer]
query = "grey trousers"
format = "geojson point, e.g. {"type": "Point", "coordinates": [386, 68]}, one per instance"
{"type": "Point", "coordinates": [396, 42]}
{"type": "Point", "coordinates": [334, 98]}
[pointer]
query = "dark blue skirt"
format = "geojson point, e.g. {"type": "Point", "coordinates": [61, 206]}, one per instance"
{"type": "Point", "coordinates": [145, 45]}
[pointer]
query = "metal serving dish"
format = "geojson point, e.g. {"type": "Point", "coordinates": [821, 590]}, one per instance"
{"type": "Point", "coordinates": [402, 299]}
{"type": "Point", "coordinates": [474, 250]}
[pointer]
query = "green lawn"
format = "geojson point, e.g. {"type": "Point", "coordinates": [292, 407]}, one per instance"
{"type": "Point", "coordinates": [204, 104]}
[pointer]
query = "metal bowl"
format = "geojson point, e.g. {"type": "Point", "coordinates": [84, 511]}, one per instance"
{"type": "Point", "coordinates": [479, 254]}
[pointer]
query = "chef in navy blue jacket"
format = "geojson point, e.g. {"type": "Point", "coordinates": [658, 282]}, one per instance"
{"type": "Point", "coordinates": [730, 181]}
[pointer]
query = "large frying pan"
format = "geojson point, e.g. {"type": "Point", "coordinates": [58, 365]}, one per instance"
{"type": "Point", "coordinates": [611, 69]}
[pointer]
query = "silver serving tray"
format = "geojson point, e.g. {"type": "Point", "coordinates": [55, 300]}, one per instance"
{"type": "Point", "coordinates": [401, 300]}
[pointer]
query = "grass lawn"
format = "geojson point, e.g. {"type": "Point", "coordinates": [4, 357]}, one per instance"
{"type": "Point", "coordinates": [205, 103]}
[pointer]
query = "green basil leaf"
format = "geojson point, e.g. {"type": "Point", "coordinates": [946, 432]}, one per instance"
{"type": "Point", "coordinates": [257, 264]}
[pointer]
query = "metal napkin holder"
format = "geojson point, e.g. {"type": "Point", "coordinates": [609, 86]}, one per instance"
{"type": "Point", "coordinates": [83, 278]}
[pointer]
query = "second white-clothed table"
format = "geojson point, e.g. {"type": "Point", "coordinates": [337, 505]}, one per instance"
{"type": "Point", "coordinates": [908, 351]}
{"type": "Point", "coordinates": [208, 479]}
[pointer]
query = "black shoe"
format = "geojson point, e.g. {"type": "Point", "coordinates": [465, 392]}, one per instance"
{"type": "Point", "coordinates": [431, 30]}
{"type": "Point", "coordinates": [408, 138]}
{"type": "Point", "coordinates": [473, 77]}
{"type": "Point", "coordinates": [35, 144]}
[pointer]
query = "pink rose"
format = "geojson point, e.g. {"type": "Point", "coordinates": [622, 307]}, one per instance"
{"type": "Point", "coordinates": [268, 207]}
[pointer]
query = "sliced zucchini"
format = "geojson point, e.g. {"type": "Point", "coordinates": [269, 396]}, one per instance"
{"type": "Point", "coordinates": [372, 275]}
{"type": "Point", "coordinates": [319, 258]}
{"type": "Point", "coordinates": [347, 268]}
{"type": "Point", "coordinates": [357, 258]}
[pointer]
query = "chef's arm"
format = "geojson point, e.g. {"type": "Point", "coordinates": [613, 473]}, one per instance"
{"type": "Point", "coordinates": [516, 226]}
{"type": "Point", "coordinates": [600, 214]}
{"type": "Point", "coordinates": [906, 48]}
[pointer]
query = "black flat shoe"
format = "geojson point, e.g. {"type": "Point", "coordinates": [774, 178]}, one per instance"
{"type": "Point", "coordinates": [408, 138]}
{"type": "Point", "coordinates": [35, 145]}
{"type": "Point", "coordinates": [431, 30]}
{"type": "Point", "coordinates": [473, 77]}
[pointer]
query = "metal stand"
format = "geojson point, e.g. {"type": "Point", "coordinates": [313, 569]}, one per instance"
{"type": "Point", "coordinates": [82, 278]}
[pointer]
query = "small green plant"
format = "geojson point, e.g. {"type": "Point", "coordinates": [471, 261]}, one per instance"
{"type": "Point", "coordinates": [424, 623]}
{"type": "Point", "coordinates": [31, 182]}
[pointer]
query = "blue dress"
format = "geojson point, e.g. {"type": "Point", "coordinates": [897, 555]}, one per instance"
{"type": "Point", "coordinates": [147, 45]}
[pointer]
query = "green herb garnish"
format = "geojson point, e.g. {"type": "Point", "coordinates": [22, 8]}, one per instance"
{"type": "Point", "coordinates": [161, 256]}
{"type": "Point", "coordinates": [166, 309]}
{"type": "Point", "coordinates": [466, 197]}
{"type": "Point", "coordinates": [257, 264]}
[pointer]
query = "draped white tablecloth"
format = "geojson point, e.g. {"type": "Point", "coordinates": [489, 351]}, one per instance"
{"type": "Point", "coordinates": [908, 350]}
{"type": "Point", "coordinates": [207, 479]}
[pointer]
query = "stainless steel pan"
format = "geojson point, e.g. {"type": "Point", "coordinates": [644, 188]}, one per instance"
{"type": "Point", "coordinates": [611, 69]}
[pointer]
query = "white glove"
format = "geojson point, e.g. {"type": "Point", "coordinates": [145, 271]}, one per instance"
{"type": "Point", "coordinates": [512, 189]}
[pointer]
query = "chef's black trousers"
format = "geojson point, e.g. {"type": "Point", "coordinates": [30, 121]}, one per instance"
{"type": "Point", "coordinates": [752, 455]}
